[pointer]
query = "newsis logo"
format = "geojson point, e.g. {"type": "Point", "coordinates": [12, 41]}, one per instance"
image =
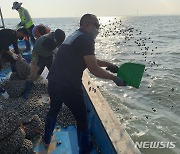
{"type": "Point", "coordinates": [155, 145]}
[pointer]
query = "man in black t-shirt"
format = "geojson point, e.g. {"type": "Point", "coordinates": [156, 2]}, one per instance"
{"type": "Point", "coordinates": [65, 78]}
{"type": "Point", "coordinates": [10, 37]}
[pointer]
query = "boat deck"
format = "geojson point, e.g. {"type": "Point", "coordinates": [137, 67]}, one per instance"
{"type": "Point", "coordinates": [64, 141]}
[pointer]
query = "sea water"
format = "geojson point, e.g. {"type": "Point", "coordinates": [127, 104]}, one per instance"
{"type": "Point", "coordinates": [152, 112]}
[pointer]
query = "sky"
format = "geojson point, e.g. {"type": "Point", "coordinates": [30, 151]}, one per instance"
{"type": "Point", "coordinates": [76, 8]}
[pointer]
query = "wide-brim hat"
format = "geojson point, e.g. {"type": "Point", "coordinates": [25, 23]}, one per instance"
{"type": "Point", "coordinates": [16, 5]}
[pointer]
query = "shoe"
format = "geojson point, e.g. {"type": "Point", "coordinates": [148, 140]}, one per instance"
{"type": "Point", "coordinates": [46, 145]}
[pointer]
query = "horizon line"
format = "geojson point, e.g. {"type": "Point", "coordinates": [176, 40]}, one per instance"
{"type": "Point", "coordinates": [103, 16]}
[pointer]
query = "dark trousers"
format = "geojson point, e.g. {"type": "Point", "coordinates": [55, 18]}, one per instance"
{"type": "Point", "coordinates": [71, 97]}
{"type": "Point", "coordinates": [11, 60]}
{"type": "Point", "coordinates": [31, 37]}
{"type": "Point", "coordinates": [37, 69]}
{"type": "Point", "coordinates": [44, 62]}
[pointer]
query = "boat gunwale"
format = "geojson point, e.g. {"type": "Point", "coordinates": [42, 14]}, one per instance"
{"type": "Point", "coordinates": [117, 134]}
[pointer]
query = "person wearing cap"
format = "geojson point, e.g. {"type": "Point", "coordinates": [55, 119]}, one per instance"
{"type": "Point", "coordinates": [26, 22]}
{"type": "Point", "coordinates": [42, 56]}
{"type": "Point", "coordinates": [65, 78]}
{"type": "Point", "coordinates": [10, 37]}
{"type": "Point", "coordinates": [40, 30]}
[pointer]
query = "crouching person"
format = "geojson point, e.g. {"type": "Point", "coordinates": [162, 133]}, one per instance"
{"type": "Point", "coordinates": [42, 56]}
{"type": "Point", "coordinates": [10, 37]}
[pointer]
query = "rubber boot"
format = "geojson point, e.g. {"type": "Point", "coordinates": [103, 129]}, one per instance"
{"type": "Point", "coordinates": [85, 145]}
{"type": "Point", "coordinates": [49, 128]}
{"type": "Point", "coordinates": [28, 87]}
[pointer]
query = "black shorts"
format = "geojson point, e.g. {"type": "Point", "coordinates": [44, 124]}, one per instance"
{"type": "Point", "coordinates": [44, 62]}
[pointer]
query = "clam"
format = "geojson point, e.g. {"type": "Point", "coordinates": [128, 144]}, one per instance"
{"type": "Point", "coordinates": [23, 69]}
{"type": "Point", "coordinates": [9, 122]}
{"type": "Point", "coordinates": [34, 127]}
{"type": "Point", "coordinates": [26, 148]}
{"type": "Point", "coordinates": [14, 88]}
{"type": "Point", "coordinates": [13, 142]}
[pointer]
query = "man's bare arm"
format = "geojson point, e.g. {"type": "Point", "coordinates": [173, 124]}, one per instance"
{"type": "Point", "coordinates": [95, 69]}
{"type": "Point", "coordinates": [102, 63]}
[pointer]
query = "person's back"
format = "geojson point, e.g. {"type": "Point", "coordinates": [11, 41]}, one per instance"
{"type": "Point", "coordinates": [69, 64]}
{"type": "Point", "coordinates": [7, 37]}
{"type": "Point", "coordinates": [10, 37]}
{"type": "Point", "coordinates": [4, 32]}
{"type": "Point", "coordinates": [40, 49]}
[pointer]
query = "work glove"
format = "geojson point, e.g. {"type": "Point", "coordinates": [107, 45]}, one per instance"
{"type": "Point", "coordinates": [15, 56]}
{"type": "Point", "coordinates": [112, 68]}
{"type": "Point", "coordinates": [119, 82]}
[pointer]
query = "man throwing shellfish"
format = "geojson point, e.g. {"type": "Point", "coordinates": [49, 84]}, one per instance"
{"type": "Point", "coordinates": [65, 78]}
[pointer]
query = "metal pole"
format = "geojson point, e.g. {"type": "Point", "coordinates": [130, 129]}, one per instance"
{"type": "Point", "coordinates": [3, 26]}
